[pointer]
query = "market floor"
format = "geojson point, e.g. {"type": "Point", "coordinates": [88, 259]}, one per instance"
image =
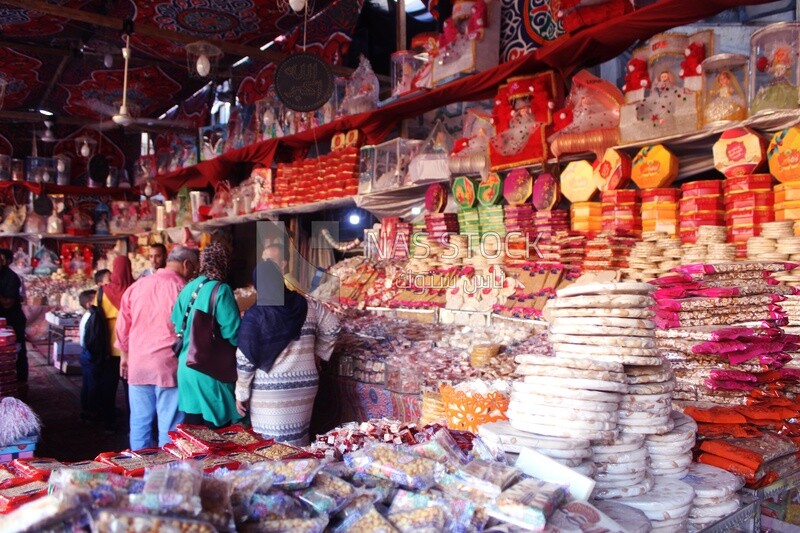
{"type": "Point", "coordinates": [55, 397]}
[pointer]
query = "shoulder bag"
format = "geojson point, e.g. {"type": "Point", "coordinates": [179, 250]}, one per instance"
{"type": "Point", "coordinates": [209, 352]}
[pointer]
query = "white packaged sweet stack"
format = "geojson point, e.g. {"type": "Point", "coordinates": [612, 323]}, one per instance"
{"type": "Point", "coordinates": [715, 494]}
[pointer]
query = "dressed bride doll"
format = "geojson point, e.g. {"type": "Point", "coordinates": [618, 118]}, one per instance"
{"type": "Point", "coordinates": [520, 128]}
{"type": "Point", "coordinates": [727, 100]}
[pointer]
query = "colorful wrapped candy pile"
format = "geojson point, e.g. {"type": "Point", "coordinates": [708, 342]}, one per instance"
{"type": "Point", "coordinates": [721, 330]}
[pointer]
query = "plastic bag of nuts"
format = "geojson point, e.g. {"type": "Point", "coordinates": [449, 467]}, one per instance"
{"type": "Point", "coordinates": [406, 469]}
{"type": "Point", "coordinates": [216, 501]}
{"type": "Point", "coordinates": [370, 521]}
{"type": "Point", "coordinates": [109, 521]}
{"type": "Point", "coordinates": [429, 520]}
{"type": "Point", "coordinates": [328, 494]}
{"type": "Point", "coordinates": [293, 474]}
{"type": "Point", "coordinates": [172, 488]}
{"type": "Point", "coordinates": [295, 525]}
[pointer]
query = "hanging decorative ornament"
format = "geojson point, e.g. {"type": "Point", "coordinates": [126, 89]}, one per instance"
{"type": "Point", "coordinates": [340, 246]}
{"type": "Point", "coordinates": [297, 5]}
{"type": "Point", "coordinates": [202, 59]}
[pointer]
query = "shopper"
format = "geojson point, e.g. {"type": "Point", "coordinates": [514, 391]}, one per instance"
{"type": "Point", "coordinates": [89, 367]}
{"type": "Point", "coordinates": [204, 399]}
{"type": "Point", "coordinates": [145, 336]}
{"type": "Point", "coordinates": [121, 279]}
{"type": "Point", "coordinates": [157, 254]}
{"type": "Point", "coordinates": [9, 256]}
{"type": "Point", "coordinates": [11, 310]}
{"type": "Point", "coordinates": [102, 277]}
{"type": "Point", "coordinates": [279, 339]}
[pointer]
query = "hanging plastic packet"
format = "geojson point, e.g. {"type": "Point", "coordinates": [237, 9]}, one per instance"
{"type": "Point", "coordinates": [170, 489]}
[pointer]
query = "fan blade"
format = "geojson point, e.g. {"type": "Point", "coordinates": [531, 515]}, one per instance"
{"type": "Point", "coordinates": [102, 108]}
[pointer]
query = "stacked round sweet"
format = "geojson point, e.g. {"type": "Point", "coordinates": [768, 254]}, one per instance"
{"type": "Point", "coordinates": [648, 403]}
{"type": "Point", "coordinates": [776, 243]}
{"type": "Point", "coordinates": [656, 254]}
{"type": "Point", "coordinates": [432, 409]}
{"type": "Point", "coordinates": [714, 494]}
{"type": "Point", "coordinates": [667, 505]}
{"type": "Point", "coordinates": [457, 251]}
{"type": "Point", "coordinates": [671, 453]}
{"type": "Point", "coordinates": [710, 241]}
{"type": "Point", "coordinates": [608, 251]}
{"type": "Point", "coordinates": [630, 519]}
{"type": "Point", "coordinates": [621, 467]}
{"type": "Point", "coordinates": [566, 397]}
{"type": "Point", "coordinates": [575, 453]}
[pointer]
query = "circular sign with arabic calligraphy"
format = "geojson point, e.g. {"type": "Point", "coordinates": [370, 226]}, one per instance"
{"type": "Point", "coordinates": [303, 82]}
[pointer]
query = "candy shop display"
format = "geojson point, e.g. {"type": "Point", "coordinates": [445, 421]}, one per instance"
{"type": "Point", "coordinates": [773, 74]}
{"type": "Point", "coordinates": [725, 86]}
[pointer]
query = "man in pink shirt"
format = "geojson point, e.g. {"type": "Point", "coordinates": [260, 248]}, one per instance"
{"type": "Point", "coordinates": [144, 336]}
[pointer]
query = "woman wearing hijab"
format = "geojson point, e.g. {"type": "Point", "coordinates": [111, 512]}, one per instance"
{"type": "Point", "coordinates": [202, 398]}
{"type": "Point", "coordinates": [279, 340]}
{"type": "Point", "coordinates": [108, 380]}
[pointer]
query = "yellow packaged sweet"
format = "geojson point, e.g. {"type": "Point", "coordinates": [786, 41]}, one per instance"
{"type": "Point", "coordinates": [577, 182]}
{"type": "Point", "coordinates": [586, 209]}
{"type": "Point", "coordinates": [783, 155]}
{"type": "Point", "coordinates": [613, 172]}
{"type": "Point", "coordinates": [739, 152]}
{"type": "Point", "coordinates": [654, 167]}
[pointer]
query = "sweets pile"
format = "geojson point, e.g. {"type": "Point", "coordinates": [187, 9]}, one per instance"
{"type": "Point", "coordinates": [758, 441]}
{"type": "Point", "coordinates": [654, 255]}
{"type": "Point", "coordinates": [609, 250]}
{"type": "Point", "coordinates": [709, 246]}
{"type": "Point", "coordinates": [434, 480]}
{"type": "Point", "coordinates": [721, 329]}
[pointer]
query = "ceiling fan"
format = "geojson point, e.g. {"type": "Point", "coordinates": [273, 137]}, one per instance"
{"type": "Point", "coordinates": [122, 116]}
{"type": "Point", "coordinates": [47, 136]}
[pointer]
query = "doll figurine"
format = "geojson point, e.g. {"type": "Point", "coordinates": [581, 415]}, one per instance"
{"type": "Point", "coordinates": [520, 127]}
{"type": "Point", "coordinates": [727, 100]}
{"type": "Point", "coordinates": [779, 93]}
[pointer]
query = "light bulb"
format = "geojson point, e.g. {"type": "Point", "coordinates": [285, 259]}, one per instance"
{"type": "Point", "coordinates": [46, 177]}
{"type": "Point", "coordinates": [203, 65]}
{"type": "Point", "coordinates": [297, 5]}
{"type": "Point", "coordinates": [354, 219]}
{"type": "Point", "coordinates": [61, 166]}
{"type": "Point", "coordinates": [148, 189]}
{"type": "Point", "coordinates": [85, 150]}
{"type": "Point", "coordinates": [108, 60]}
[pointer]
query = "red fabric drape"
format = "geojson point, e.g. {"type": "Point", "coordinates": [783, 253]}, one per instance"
{"type": "Point", "coordinates": [589, 46]}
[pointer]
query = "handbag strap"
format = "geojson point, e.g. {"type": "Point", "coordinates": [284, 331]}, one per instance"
{"type": "Point", "coordinates": [190, 306]}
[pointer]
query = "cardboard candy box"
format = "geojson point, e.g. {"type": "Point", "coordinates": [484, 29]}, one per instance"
{"type": "Point", "coordinates": [654, 167]}
{"type": "Point", "coordinates": [739, 152]}
{"type": "Point", "coordinates": [784, 155]}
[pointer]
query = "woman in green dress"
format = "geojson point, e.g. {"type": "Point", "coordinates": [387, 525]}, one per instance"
{"type": "Point", "coordinates": [204, 399]}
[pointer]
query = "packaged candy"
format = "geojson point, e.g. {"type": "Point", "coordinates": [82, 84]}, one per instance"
{"type": "Point", "coordinates": [528, 504]}
{"type": "Point", "coordinates": [46, 514]}
{"type": "Point", "coordinates": [328, 494]}
{"type": "Point", "coordinates": [171, 489]}
{"type": "Point", "coordinates": [274, 505]}
{"type": "Point", "coordinates": [497, 474]}
{"type": "Point", "coordinates": [204, 437]}
{"type": "Point", "coordinates": [292, 474]}
{"type": "Point", "coordinates": [125, 463]}
{"type": "Point", "coordinates": [357, 506]}
{"type": "Point", "coordinates": [458, 511]}
{"type": "Point", "coordinates": [209, 463]}
{"type": "Point", "coordinates": [294, 525]}
{"type": "Point", "coordinates": [429, 520]}
{"type": "Point", "coordinates": [240, 435]}
{"type": "Point", "coordinates": [184, 448]}
{"type": "Point", "coordinates": [5, 474]}
{"type": "Point", "coordinates": [153, 457]}
{"type": "Point", "coordinates": [401, 467]}
{"type": "Point", "coordinates": [442, 448]}
{"type": "Point", "coordinates": [18, 491]}
{"type": "Point", "coordinates": [243, 484]}
{"type": "Point", "coordinates": [114, 521]}
{"type": "Point", "coordinates": [369, 521]}
{"type": "Point", "coordinates": [215, 499]}
{"type": "Point", "coordinates": [36, 467]}
{"type": "Point", "coordinates": [382, 489]}
{"type": "Point", "coordinates": [276, 451]}
{"type": "Point", "coordinates": [98, 489]}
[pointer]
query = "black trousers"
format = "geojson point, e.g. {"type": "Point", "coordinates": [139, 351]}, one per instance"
{"type": "Point", "coordinates": [16, 320]}
{"type": "Point", "coordinates": [108, 380]}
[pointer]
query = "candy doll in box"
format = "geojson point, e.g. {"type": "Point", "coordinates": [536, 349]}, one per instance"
{"type": "Point", "coordinates": [671, 102]}
{"type": "Point", "coordinates": [522, 114]}
{"type": "Point", "coordinates": [470, 40]}
{"type": "Point", "coordinates": [773, 68]}
{"type": "Point", "coordinates": [589, 122]}
{"type": "Point", "coordinates": [470, 152]}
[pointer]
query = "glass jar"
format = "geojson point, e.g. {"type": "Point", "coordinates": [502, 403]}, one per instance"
{"type": "Point", "coordinates": [773, 68]}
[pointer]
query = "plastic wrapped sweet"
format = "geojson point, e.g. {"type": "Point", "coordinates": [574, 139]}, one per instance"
{"type": "Point", "coordinates": [590, 118]}
{"type": "Point", "coordinates": [293, 525]}
{"type": "Point", "coordinates": [369, 521]}
{"type": "Point", "coordinates": [116, 521]}
{"type": "Point", "coordinates": [328, 494]}
{"type": "Point", "coordinates": [362, 89]}
{"type": "Point", "coordinates": [169, 489]}
{"type": "Point", "coordinates": [274, 505]}
{"type": "Point", "coordinates": [399, 466]}
{"type": "Point", "coordinates": [528, 504]}
{"type": "Point", "coordinates": [291, 474]}
{"type": "Point", "coordinates": [98, 489]}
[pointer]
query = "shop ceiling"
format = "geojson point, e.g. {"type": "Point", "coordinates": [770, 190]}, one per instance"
{"type": "Point", "coordinates": [64, 56]}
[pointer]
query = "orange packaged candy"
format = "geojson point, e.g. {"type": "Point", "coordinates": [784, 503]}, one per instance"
{"type": "Point", "coordinates": [727, 450]}
{"type": "Point", "coordinates": [715, 415]}
{"type": "Point", "coordinates": [718, 431]}
{"type": "Point", "coordinates": [749, 474]}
